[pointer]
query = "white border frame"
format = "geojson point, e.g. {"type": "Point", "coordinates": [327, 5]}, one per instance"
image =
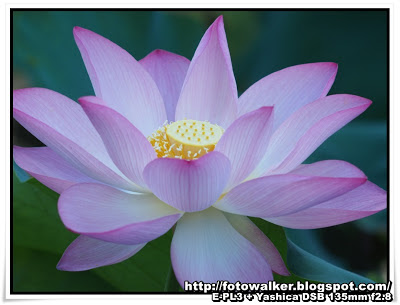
{"type": "Point", "coordinates": [394, 95]}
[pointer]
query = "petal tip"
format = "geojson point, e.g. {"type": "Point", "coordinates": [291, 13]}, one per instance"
{"type": "Point", "coordinates": [159, 52]}
{"type": "Point", "coordinates": [162, 53]}
{"type": "Point", "coordinates": [76, 30]}
{"type": "Point", "coordinates": [60, 266]}
{"type": "Point", "coordinates": [92, 101]}
{"type": "Point", "coordinates": [267, 109]}
{"type": "Point", "coordinates": [334, 67]}
{"type": "Point", "coordinates": [366, 102]}
{"type": "Point", "coordinates": [156, 53]}
{"type": "Point", "coordinates": [359, 101]}
{"type": "Point", "coordinates": [285, 272]}
{"type": "Point", "coordinates": [64, 266]}
{"type": "Point", "coordinates": [217, 25]}
{"type": "Point", "coordinates": [282, 270]}
{"type": "Point", "coordinates": [332, 64]}
{"type": "Point", "coordinates": [84, 99]}
{"type": "Point", "coordinates": [220, 25]}
{"type": "Point", "coordinates": [82, 33]}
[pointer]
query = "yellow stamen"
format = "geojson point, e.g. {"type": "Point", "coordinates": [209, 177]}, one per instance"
{"type": "Point", "coordinates": [169, 141]}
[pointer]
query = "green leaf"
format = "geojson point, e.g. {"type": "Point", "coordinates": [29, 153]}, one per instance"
{"type": "Point", "coordinates": [303, 256]}
{"type": "Point", "coordinates": [36, 224]}
{"type": "Point", "coordinates": [349, 38]}
{"type": "Point", "coordinates": [171, 284]}
{"type": "Point", "coordinates": [277, 235]}
{"type": "Point", "coordinates": [374, 224]}
{"type": "Point", "coordinates": [146, 271]}
{"type": "Point", "coordinates": [307, 265]}
{"type": "Point", "coordinates": [46, 55]}
{"type": "Point", "coordinates": [39, 232]}
{"type": "Point", "coordinates": [363, 144]}
{"type": "Point", "coordinates": [35, 271]}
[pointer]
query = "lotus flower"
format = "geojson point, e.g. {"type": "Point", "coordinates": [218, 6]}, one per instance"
{"type": "Point", "coordinates": [166, 143]}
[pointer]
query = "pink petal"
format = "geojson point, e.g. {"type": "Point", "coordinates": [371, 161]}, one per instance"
{"type": "Point", "coordinates": [63, 126]}
{"type": "Point", "coordinates": [289, 89]}
{"type": "Point", "coordinates": [120, 81]}
{"type": "Point", "coordinates": [252, 233]}
{"type": "Point", "coordinates": [48, 167]}
{"type": "Point", "coordinates": [277, 195]}
{"type": "Point", "coordinates": [168, 70]}
{"type": "Point", "coordinates": [306, 129]}
{"type": "Point", "coordinates": [245, 143]}
{"type": "Point", "coordinates": [361, 202]}
{"type": "Point", "coordinates": [105, 213]}
{"type": "Point", "coordinates": [328, 168]}
{"type": "Point", "coordinates": [205, 247]}
{"type": "Point", "coordinates": [86, 253]}
{"type": "Point", "coordinates": [209, 91]}
{"type": "Point", "coordinates": [126, 145]}
{"type": "Point", "coordinates": [188, 185]}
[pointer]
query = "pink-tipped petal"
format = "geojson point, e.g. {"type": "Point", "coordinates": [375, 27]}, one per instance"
{"type": "Point", "coordinates": [277, 195]}
{"type": "Point", "coordinates": [328, 168]}
{"type": "Point", "coordinates": [205, 247]}
{"type": "Point", "coordinates": [249, 230]}
{"type": "Point", "coordinates": [306, 129]}
{"type": "Point", "coordinates": [188, 185]}
{"type": "Point", "coordinates": [361, 202]}
{"type": "Point", "coordinates": [105, 213]}
{"type": "Point", "coordinates": [289, 89]}
{"type": "Point", "coordinates": [245, 143]}
{"type": "Point", "coordinates": [168, 70]}
{"type": "Point", "coordinates": [120, 81]}
{"type": "Point", "coordinates": [209, 91]}
{"type": "Point", "coordinates": [62, 125]}
{"type": "Point", "coordinates": [86, 253]}
{"type": "Point", "coordinates": [48, 167]}
{"type": "Point", "coordinates": [126, 145]}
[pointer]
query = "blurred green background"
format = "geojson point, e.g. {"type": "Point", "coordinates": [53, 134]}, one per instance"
{"type": "Point", "coordinates": [260, 42]}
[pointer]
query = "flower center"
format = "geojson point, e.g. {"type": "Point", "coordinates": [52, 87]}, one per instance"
{"type": "Point", "coordinates": [185, 139]}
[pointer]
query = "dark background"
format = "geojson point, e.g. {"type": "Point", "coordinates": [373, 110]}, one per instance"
{"type": "Point", "coordinates": [260, 42]}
